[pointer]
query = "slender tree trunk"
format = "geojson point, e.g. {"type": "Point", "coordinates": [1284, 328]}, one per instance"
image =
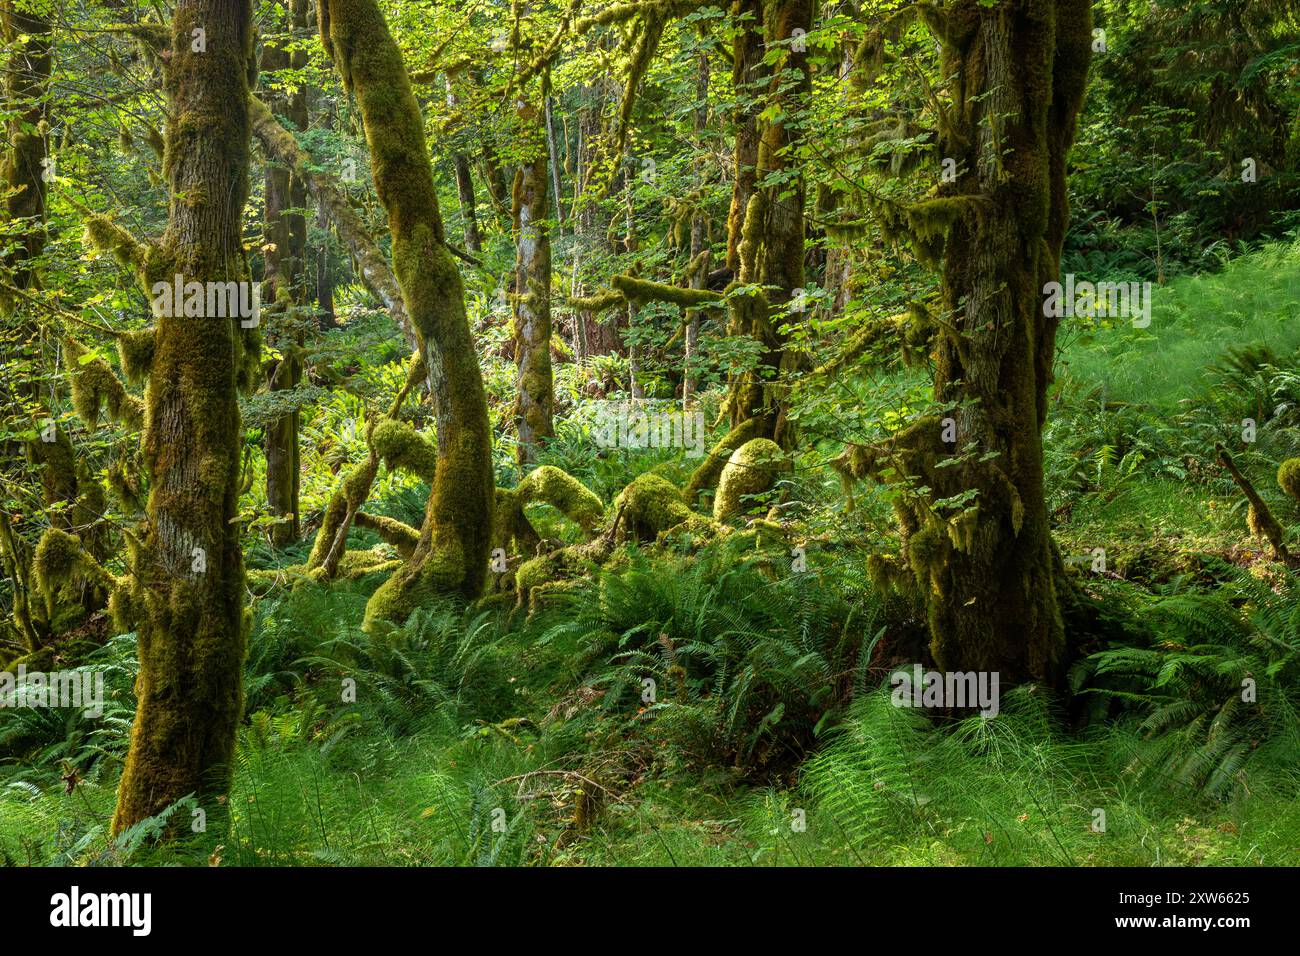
{"type": "Point", "coordinates": [189, 572]}
{"type": "Point", "coordinates": [452, 554]}
{"type": "Point", "coordinates": [699, 263]}
{"type": "Point", "coordinates": [286, 253]}
{"type": "Point", "coordinates": [465, 188]}
{"type": "Point", "coordinates": [532, 303]}
{"type": "Point", "coordinates": [770, 250]}
{"type": "Point", "coordinates": [746, 71]}
{"type": "Point", "coordinates": [27, 160]}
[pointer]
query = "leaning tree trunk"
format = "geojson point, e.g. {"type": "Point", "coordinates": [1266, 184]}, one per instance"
{"type": "Point", "coordinates": [286, 254]}
{"type": "Point", "coordinates": [1021, 69]}
{"type": "Point", "coordinates": [452, 554]}
{"type": "Point", "coordinates": [189, 571]}
{"type": "Point", "coordinates": [532, 302]}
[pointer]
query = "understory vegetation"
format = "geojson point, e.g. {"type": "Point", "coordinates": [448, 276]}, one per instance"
{"type": "Point", "coordinates": [636, 393]}
{"type": "Point", "coordinates": [772, 702]}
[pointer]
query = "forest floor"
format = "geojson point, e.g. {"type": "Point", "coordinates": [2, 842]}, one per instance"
{"type": "Point", "coordinates": [767, 735]}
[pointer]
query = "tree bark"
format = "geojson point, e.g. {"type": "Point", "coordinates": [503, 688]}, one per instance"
{"type": "Point", "coordinates": [189, 572]}
{"type": "Point", "coordinates": [465, 188]}
{"type": "Point", "coordinates": [992, 598]}
{"type": "Point", "coordinates": [532, 301]}
{"type": "Point", "coordinates": [285, 257]}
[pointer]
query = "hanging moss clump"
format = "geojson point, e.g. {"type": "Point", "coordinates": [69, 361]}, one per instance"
{"type": "Point", "coordinates": [96, 388]}
{"type": "Point", "coordinates": [135, 349]}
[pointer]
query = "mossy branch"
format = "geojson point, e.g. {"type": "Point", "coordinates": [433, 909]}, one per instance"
{"type": "Point", "coordinates": [397, 533]}
{"type": "Point", "coordinates": [108, 238]}
{"type": "Point", "coordinates": [600, 302]}
{"type": "Point", "coordinates": [643, 290]}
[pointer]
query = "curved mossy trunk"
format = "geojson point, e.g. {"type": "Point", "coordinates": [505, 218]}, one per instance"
{"type": "Point", "coordinates": [452, 554]}
{"type": "Point", "coordinates": [189, 573]}
{"type": "Point", "coordinates": [532, 301]}
{"type": "Point", "coordinates": [992, 589]}
{"type": "Point", "coordinates": [286, 254]}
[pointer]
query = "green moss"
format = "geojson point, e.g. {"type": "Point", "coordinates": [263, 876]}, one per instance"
{"type": "Point", "coordinates": [60, 560]}
{"type": "Point", "coordinates": [562, 491]}
{"type": "Point", "coordinates": [708, 472]}
{"type": "Point", "coordinates": [652, 506]}
{"type": "Point", "coordinates": [105, 236]}
{"type": "Point", "coordinates": [456, 536]}
{"type": "Point", "coordinates": [135, 349]}
{"type": "Point", "coordinates": [752, 469]}
{"type": "Point", "coordinates": [355, 565]}
{"type": "Point", "coordinates": [397, 533]}
{"type": "Point", "coordinates": [400, 446]}
{"type": "Point", "coordinates": [597, 303]}
{"type": "Point", "coordinates": [95, 387]}
{"type": "Point", "coordinates": [641, 290]}
{"type": "Point", "coordinates": [1288, 477]}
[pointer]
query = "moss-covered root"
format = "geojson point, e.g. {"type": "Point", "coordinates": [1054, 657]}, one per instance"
{"type": "Point", "coordinates": [752, 470]}
{"type": "Point", "coordinates": [708, 472]}
{"type": "Point", "coordinates": [453, 551]}
{"type": "Point", "coordinates": [560, 490]}
{"type": "Point", "coordinates": [554, 572]}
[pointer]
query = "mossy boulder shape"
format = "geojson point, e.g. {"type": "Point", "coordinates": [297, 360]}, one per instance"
{"type": "Point", "coordinates": [752, 469]}
{"type": "Point", "coordinates": [1288, 477]}
{"type": "Point", "coordinates": [652, 505]}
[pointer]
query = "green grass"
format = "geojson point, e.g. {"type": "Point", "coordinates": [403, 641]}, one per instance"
{"type": "Point", "coordinates": [1195, 321]}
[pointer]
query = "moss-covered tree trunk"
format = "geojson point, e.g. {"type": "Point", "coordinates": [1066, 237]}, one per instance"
{"type": "Point", "coordinates": [699, 260]}
{"type": "Point", "coordinates": [766, 238]}
{"type": "Point", "coordinates": [771, 247]}
{"type": "Point", "coordinates": [1020, 70]}
{"type": "Point", "coordinates": [286, 254]}
{"type": "Point", "coordinates": [452, 554]}
{"type": "Point", "coordinates": [28, 34]}
{"type": "Point", "coordinates": [746, 71]}
{"type": "Point", "coordinates": [532, 301]}
{"type": "Point", "coordinates": [189, 572]}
